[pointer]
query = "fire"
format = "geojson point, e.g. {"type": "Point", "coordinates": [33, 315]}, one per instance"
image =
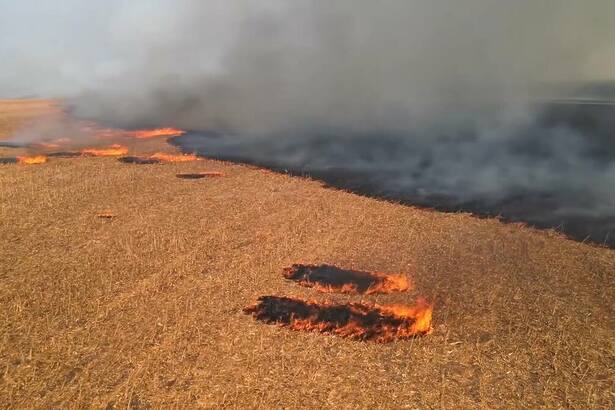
{"type": "Point", "coordinates": [328, 278]}
{"type": "Point", "coordinates": [158, 132]}
{"type": "Point", "coordinates": [358, 321]}
{"type": "Point", "coordinates": [32, 160]}
{"type": "Point", "coordinates": [164, 157]}
{"type": "Point", "coordinates": [114, 150]}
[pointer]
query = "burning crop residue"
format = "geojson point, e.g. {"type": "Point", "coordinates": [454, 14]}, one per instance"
{"type": "Point", "coordinates": [114, 150]}
{"type": "Point", "coordinates": [357, 321]}
{"type": "Point", "coordinates": [25, 160]}
{"type": "Point", "coordinates": [199, 175]}
{"type": "Point", "coordinates": [32, 159]}
{"type": "Point", "coordinates": [328, 278]}
{"type": "Point", "coordinates": [158, 132]}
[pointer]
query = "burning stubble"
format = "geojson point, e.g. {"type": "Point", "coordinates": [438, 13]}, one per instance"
{"type": "Point", "coordinates": [158, 132]}
{"type": "Point", "coordinates": [114, 150]}
{"type": "Point", "coordinates": [138, 160]}
{"type": "Point", "coordinates": [424, 71]}
{"type": "Point", "coordinates": [25, 160]}
{"type": "Point", "coordinates": [356, 321]}
{"type": "Point", "coordinates": [328, 278]}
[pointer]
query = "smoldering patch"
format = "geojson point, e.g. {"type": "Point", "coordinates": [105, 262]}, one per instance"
{"type": "Point", "coordinates": [138, 160]}
{"type": "Point", "coordinates": [24, 160]}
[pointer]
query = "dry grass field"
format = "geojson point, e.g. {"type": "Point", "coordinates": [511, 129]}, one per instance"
{"type": "Point", "coordinates": [144, 309]}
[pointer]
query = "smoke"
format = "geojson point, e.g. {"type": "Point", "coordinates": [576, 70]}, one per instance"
{"type": "Point", "coordinates": [459, 86]}
{"type": "Point", "coordinates": [272, 66]}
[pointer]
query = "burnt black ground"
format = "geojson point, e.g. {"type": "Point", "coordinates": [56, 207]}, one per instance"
{"type": "Point", "coordinates": [371, 323]}
{"type": "Point", "coordinates": [556, 172]}
{"type": "Point", "coordinates": [328, 275]}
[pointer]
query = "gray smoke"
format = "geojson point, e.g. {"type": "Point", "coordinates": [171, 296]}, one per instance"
{"type": "Point", "coordinates": [274, 65]}
{"type": "Point", "coordinates": [460, 84]}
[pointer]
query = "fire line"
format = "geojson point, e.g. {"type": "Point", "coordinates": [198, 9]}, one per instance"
{"type": "Point", "coordinates": [356, 321]}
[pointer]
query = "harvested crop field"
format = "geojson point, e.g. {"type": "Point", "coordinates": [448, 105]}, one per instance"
{"type": "Point", "coordinates": [144, 307]}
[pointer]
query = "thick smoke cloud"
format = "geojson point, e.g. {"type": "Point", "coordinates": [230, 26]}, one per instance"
{"type": "Point", "coordinates": [427, 99]}
{"type": "Point", "coordinates": [274, 65]}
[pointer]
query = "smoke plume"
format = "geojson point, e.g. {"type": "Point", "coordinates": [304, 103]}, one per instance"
{"type": "Point", "coordinates": [274, 66]}
{"type": "Point", "coordinates": [462, 88]}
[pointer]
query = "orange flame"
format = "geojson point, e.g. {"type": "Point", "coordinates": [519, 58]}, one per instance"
{"type": "Point", "coordinates": [32, 160]}
{"type": "Point", "coordinates": [114, 150]}
{"type": "Point", "coordinates": [359, 321]}
{"type": "Point", "coordinates": [164, 157]}
{"type": "Point", "coordinates": [331, 279]}
{"type": "Point", "coordinates": [158, 132]}
{"type": "Point", "coordinates": [422, 313]}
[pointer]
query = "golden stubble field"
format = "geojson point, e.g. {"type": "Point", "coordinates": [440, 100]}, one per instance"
{"type": "Point", "coordinates": [145, 309]}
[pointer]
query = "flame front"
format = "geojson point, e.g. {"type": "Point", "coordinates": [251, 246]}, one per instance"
{"type": "Point", "coordinates": [114, 150]}
{"type": "Point", "coordinates": [32, 159]}
{"type": "Point", "coordinates": [158, 132]}
{"type": "Point", "coordinates": [358, 321]}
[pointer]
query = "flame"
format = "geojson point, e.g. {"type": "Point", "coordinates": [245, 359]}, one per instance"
{"type": "Point", "coordinates": [32, 160]}
{"type": "Point", "coordinates": [358, 321]}
{"type": "Point", "coordinates": [114, 150]}
{"type": "Point", "coordinates": [422, 313]}
{"type": "Point", "coordinates": [158, 132]}
{"type": "Point", "coordinates": [164, 157]}
{"type": "Point", "coordinates": [331, 279]}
